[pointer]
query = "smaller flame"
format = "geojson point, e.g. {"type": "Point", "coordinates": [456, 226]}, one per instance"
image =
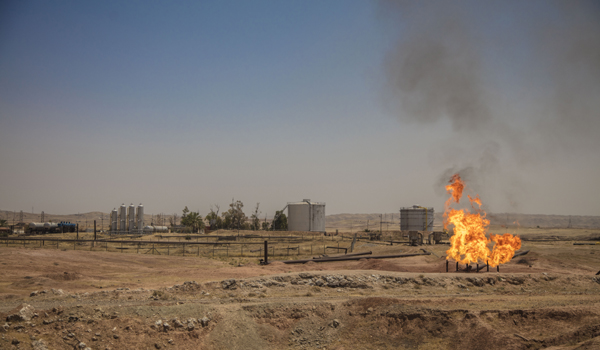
{"type": "Point", "coordinates": [469, 243]}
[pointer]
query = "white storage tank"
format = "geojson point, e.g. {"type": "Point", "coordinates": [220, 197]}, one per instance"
{"type": "Point", "coordinates": [36, 226]}
{"type": "Point", "coordinates": [151, 229]}
{"type": "Point", "coordinates": [131, 217]}
{"type": "Point", "coordinates": [161, 229]}
{"type": "Point", "coordinates": [140, 217]}
{"type": "Point", "coordinates": [49, 226]}
{"type": "Point", "coordinates": [123, 218]}
{"type": "Point", "coordinates": [416, 218]}
{"type": "Point", "coordinates": [306, 216]}
{"type": "Point", "coordinates": [114, 219]}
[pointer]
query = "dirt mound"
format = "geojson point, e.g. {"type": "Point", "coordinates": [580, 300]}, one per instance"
{"type": "Point", "coordinates": [65, 276]}
{"type": "Point", "coordinates": [379, 264]}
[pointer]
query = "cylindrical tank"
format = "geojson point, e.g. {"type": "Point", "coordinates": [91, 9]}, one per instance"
{"type": "Point", "coordinates": [114, 219]}
{"type": "Point", "coordinates": [50, 226]}
{"type": "Point", "coordinates": [36, 226]}
{"type": "Point", "coordinates": [150, 229]}
{"type": "Point", "coordinates": [140, 217]}
{"type": "Point", "coordinates": [123, 218]}
{"type": "Point", "coordinates": [131, 217]}
{"type": "Point", "coordinates": [416, 218]}
{"type": "Point", "coordinates": [306, 216]}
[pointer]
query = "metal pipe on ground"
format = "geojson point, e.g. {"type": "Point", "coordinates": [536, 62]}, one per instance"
{"type": "Point", "coordinates": [342, 256]}
{"type": "Point", "coordinates": [353, 258]}
{"type": "Point", "coordinates": [479, 268]}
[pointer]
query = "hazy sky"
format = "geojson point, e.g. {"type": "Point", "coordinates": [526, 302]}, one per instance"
{"type": "Point", "coordinates": [367, 106]}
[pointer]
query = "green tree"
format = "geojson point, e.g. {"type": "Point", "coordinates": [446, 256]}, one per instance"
{"type": "Point", "coordinates": [173, 220]}
{"type": "Point", "coordinates": [213, 218]}
{"type": "Point", "coordinates": [234, 218]}
{"type": "Point", "coordinates": [3, 223]}
{"type": "Point", "coordinates": [265, 226]}
{"type": "Point", "coordinates": [192, 220]}
{"type": "Point", "coordinates": [279, 221]}
{"type": "Point", "coordinates": [254, 220]}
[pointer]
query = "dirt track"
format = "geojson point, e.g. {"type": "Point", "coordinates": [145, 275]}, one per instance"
{"type": "Point", "coordinates": [549, 298]}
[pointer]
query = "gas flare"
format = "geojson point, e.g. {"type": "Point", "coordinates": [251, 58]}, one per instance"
{"type": "Point", "coordinates": [469, 243]}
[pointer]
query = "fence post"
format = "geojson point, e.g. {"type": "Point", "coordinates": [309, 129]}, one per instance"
{"type": "Point", "coordinates": [266, 252]}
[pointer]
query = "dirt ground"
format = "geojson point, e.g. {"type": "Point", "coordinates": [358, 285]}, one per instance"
{"type": "Point", "coordinates": [78, 299]}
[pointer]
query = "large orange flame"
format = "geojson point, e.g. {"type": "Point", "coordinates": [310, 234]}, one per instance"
{"type": "Point", "coordinates": [469, 243]}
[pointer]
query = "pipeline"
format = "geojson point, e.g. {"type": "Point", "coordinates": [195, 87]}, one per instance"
{"type": "Point", "coordinates": [341, 256]}
{"type": "Point", "coordinates": [353, 258]}
{"type": "Point", "coordinates": [498, 268]}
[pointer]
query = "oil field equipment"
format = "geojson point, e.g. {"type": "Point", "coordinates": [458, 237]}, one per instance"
{"type": "Point", "coordinates": [416, 218]}
{"type": "Point", "coordinates": [306, 216]}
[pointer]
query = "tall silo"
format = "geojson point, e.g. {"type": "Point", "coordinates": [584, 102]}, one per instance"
{"type": "Point", "coordinates": [306, 216]}
{"type": "Point", "coordinates": [123, 218]}
{"type": "Point", "coordinates": [416, 218]}
{"type": "Point", "coordinates": [114, 220]}
{"type": "Point", "coordinates": [140, 218]}
{"type": "Point", "coordinates": [131, 217]}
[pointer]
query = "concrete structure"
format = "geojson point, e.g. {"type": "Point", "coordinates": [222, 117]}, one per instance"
{"type": "Point", "coordinates": [306, 216]}
{"type": "Point", "coordinates": [416, 218]}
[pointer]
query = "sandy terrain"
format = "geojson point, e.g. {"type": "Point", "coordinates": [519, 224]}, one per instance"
{"type": "Point", "coordinates": [549, 298]}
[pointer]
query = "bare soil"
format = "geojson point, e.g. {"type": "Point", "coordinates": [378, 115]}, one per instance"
{"type": "Point", "coordinates": [549, 298]}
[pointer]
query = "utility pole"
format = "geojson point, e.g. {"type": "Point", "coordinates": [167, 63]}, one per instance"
{"type": "Point", "coordinates": [380, 223]}
{"type": "Point", "coordinates": [387, 225]}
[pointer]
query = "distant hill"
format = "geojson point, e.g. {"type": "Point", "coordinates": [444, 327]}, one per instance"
{"type": "Point", "coordinates": [354, 222]}
{"type": "Point", "coordinates": [392, 220]}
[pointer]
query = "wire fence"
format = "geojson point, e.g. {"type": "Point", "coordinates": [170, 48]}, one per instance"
{"type": "Point", "coordinates": [211, 246]}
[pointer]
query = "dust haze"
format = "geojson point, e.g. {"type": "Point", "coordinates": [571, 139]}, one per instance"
{"type": "Point", "coordinates": [515, 87]}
